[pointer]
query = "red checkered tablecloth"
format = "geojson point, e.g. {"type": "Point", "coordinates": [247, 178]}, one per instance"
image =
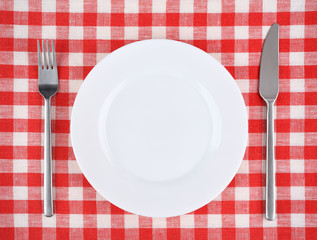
{"type": "Point", "coordinates": [85, 31]}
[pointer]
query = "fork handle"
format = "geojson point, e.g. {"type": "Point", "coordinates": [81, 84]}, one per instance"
{"type": "Point", "coordinates": [48, 196]}
{"type": "Point", "coordinates": [270, 164]}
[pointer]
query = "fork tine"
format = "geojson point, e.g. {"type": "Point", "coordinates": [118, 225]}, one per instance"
{"type": "Point", "coordinates": [40, 64]}
{"type": "Point", "coordinates": [44, 53]}
{"type": "Point", "coordinates": [49, 54]}
{"type": "Point", "coordinates": [53, 53]}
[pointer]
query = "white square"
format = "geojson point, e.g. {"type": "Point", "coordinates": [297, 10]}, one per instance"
{"type": "Point", "coordinates": [297, 6]}
{"type": "Point", "coordinates": [101, 56]}
{"type": "Point", "coordinates": [242, 193]}
{"type": "Point", "coordinates": [131, 33]}
{"type": "Point", "coordinates": [48, 5]}
{"type": "Point", "coordinates": [187, 221]}
{"type": "Point", "coordinates": [297, 193]}
{"type": "Point", "coordinates": [131, 6]}
{"type": "Point", "coordinates": [242, 220]}
{"type": "Point", "coordinates": [217, 56]}
{"type": "Point", "coordinates": [49, 32]}
{"type": "Point", "coordinates": [297, 31]}
{"type": "Point", "coordinates": [265, 30]}
{"type": "Point", "coordinates": [296, 58]}
{"type": "Point", "coordinates": [131, 221]}
{"type": "Point", "coordinates": [103, 33]}
{"type": "Point", "coordinates": [244, 87]}
{"type": "Point", "coordinates": [76, 32]}
{"type": "Point", "coordinates": [297, 139]}
{"type": "Point", "coordinates": [49, 221]}
{"type": "Point", "coordinates": [158, 6]}
{"type": "Point", "coordinates": [213, 33]}
{"type": "Point", "coordinates": [186, 33]}
{"type": "Point", "coordinates": [218, 198]}
{"type": "Point", "coordinates": [103, 6]}
{"type": "Point", "coordinates": [158, 32]}
{"type": "Point", "coordinates": [297, 220]}
{"type": "Point", "coordinates": [20, 58]}
{"type": "Point", "coordinates": [20, 193]}
{"type": "Point", "coordinates": [297, 85]}
{"type": "Point", "coordinates": [241, 32]}
{"type": "Point", "coordinates": [76, 6]}
{"type": "Point", "coordinates": [214, 221]}
{"type": "Point", "coordinates": [297, 166]}
{"type": "Point", "coordinates": [21, 220]}
{"type": "Point", "coordinates": [267, 223]}
{"type": "Point", "coordinates": [20, 166]}
{"type": "Point", "coordinates": [186, 6]}
{"type": "Point", "coordinates": [241, 6]}
{"type": "Point", "coordinates": [74, 85]}
{"type": "Point", "coordinates": [159, 222]}
{"type": "Point", "coordinates": [214, 6]}
{"type": "Point", "coordinates": [297, 112]}
{"type": "Point", "coordinates": [75, 193]}
{"type": "Point", "coordinates": [99, 197]}
{"type": "Point", "coordinates": [76, 220]}
{"type": "Point", "coordinates": [269, 5]}
{"type": "Point", "coordinates": [21, 5]}
{"type": "Point", "coordinates": [21, 31]}
{"type": "Point", "coordinates": [241, 59]}
{"type": "Point", "coordinates": [103, 221]}
{"type": "Point", "coordinates": [20, 111]}
{"type": "Point", "coordinates": [20, 139]}
{"type": "Point", "coordinates": [75, 59]}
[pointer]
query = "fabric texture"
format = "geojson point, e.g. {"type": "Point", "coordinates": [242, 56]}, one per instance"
{"type": "Point", "coordinates": [84, 32]}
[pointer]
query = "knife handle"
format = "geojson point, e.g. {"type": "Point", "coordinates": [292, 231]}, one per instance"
{"type": "Point", "coordinates": [270, 164]}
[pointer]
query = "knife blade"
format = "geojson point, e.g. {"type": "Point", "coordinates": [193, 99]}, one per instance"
{"type": "Point", "coordinates": [268, 88]}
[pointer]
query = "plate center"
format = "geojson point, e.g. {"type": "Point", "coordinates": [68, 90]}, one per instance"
{"type": "Point", "coordinates": [157, 127]}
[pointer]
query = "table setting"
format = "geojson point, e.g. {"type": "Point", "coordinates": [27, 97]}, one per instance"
{"type": "Point", "coordinates": [158, 119]}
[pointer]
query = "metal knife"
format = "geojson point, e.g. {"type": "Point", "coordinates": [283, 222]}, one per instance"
{"type": "Point", "coordinates": [269, 77]}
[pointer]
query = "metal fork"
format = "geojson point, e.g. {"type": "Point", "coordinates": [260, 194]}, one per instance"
{"type": "Point", "coordinates": [48, 85]}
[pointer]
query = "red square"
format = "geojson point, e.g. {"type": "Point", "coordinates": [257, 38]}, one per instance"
{"type": "Point", "coordinates": [62, 99]}
{"type": "Point", "coordinates": [310, 72]}
{"type": "Point", "coordinates": [172, 19]}
{"type": "Point", "coordinates": [34, 125]}
{"type": "Point", "coordinates": [61, 153]}
{"type": "Point", "coordinates": [255, 45]}
{"type": "Point", "coordinates": [173, 233]}
{"type": "Point", "coordinates": [6, 72]}
{"type": "Point", "coordinates": [61, 179]}
{"type": "Point", "coordinates": [6, 206]}
{"type": "Point", "coordinates": [255, 99]}
{"type": "Point", "coordinates": [6, 125]}
{"type": "Point", "coordinates": [283, 179]}
{"type": "Point", "coordinates": [62, 19]}
{"type": "Point", "coordinates": [145, 19]}
{"type": "Point", "coordinates": [255, 153]}
{"type": "Point", "coordinates": [62, 207]}
{"type": "Point", "coordinates": [6, 17]}
{"type": "Point", "coordinates": [34, 152]}
{"type": "Point", "coordinates": [256, 179]}
{"type": "Point", "coordinates": [6, 179]}
{"type": "Point", "coordinates": [310, 98]}
{"type": "Point", "coordinates": [6, 232]}
{"type": "Point", "coordinates": [34, 179]}
{"type": "Point", "coordinates": [89, 207]}
{"type": "Point", "coordinates": [255, 19]}
{"type": "Point", "coordinates": [310, 18]}
{"type": "Point", "coordinates": [117, 233]}
{"type": "Point", "coordinates": [282, 152]}
{"type": "Point", "coordinates": [90, 233]}
{"type": "Point", "coordinates": [227, 46]}
{"type": "Point", "coordinates": [202, 210]}
{"type": "Point", "coordinates": [202, 44]}
{"type": "Point", "coordinates": [85, 182]}
{"type": "Point", "coordinates": [62, 233]}
{"type": "Point", "coordinates": [200, 19]}
{"type": "Point", "coordinates": [311, 206]}
{"type": "Point", "coordinates": [62, 126]}
{"type": "Point", "coordinates": [284, 233]}
{"type": "Point", "coordinates": [90, 19]}
{"type": "Point", "coordinates": [283, 18]}
{"type": "Point", "coordinates": [89, 46]}
{"type": "Point", "coordinates": [34, 206]}
{"type": "Point", "coordinates": [228, 233]}
{"type": "Point", "coordinates": [35, 18]}
{"type": "Point", "coordinates": [145, 233]}
{"type": "Point", "coordinates": [311, 179]}
{"type": "Point", "coordinates": [116, 210]}
{"type": "Point", "coordinates": [227, 19]}
{"type": "Point", "coordinates": [117, 19]}
{"type": "Point", "coordinates": [256, 207]}
{"type": "Point", "coordinates": [115, 44]}
{"type": "Point", "coordinates": [255, 126]}
{"type": "Point", "coordinates": [33, 98]}
{"type": "Point", "coordinates": [256, 233]}
{"type": "Point", "coordinates": [311, 233]}
{"type": "Point", "coordinates": [201, 233]}
{"type": "Point", "coordinates": [228, 207]}
{"type": "Point", "coordinates": [283, 125]}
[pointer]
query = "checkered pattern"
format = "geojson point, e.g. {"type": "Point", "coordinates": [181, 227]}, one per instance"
{"type": "Point", "coordinates": [86, 31]}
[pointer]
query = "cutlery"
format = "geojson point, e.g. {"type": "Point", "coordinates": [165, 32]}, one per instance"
{"type": "Point", "coordinates": [48, 85]}
{"type": "Point", "coordinates": [269, 77]}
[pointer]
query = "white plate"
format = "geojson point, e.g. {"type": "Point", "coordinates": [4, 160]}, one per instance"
{"type": "Point", "coordinates": [159, 128]}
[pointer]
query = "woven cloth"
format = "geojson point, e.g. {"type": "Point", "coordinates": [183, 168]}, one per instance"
{"type": "Point", "coordinates": [84, 32]}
